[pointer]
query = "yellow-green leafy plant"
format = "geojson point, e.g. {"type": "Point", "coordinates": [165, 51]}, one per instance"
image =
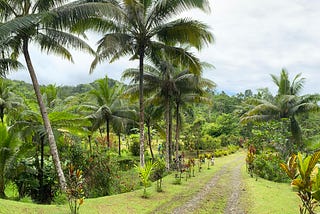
{"type": "Point", "coordinates": [144, 174]}
{"type": "Point", "coordinates": [305, 176]}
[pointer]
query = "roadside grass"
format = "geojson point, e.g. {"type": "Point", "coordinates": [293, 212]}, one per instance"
{"type": "Point", "coordinates": [173, 196]}
{"type": "Point", "coordinates": [259, 196]}
{"type": "Point", "coordinates": [267, 197]}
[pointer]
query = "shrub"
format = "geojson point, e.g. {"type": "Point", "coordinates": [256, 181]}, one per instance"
{"type": "Point", "coordinates": [127, 181]}
{"type": "Point", "coordinates": [135, 145]}
{"type": "Point", "coordinates": [267, 166]}
{"type": "Point", "coordinates": [100, 175]}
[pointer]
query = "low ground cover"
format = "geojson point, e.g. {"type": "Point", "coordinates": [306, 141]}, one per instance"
{"type": "Point", "coordinates": [258, 196]}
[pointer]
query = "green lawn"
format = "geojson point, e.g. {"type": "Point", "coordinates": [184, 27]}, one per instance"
{"type": "Point", "coordinates": [266, 197]}
{"type": "Point", "coordinates": [261, 196]}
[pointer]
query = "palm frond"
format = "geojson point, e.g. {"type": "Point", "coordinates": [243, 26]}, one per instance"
{"type": "Point", "coordinates": [184, 31]}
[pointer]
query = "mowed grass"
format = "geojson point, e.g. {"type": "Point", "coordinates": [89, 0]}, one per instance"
{"type": "Point", "coordinates": [266, 197]}
{"type": "Point", "coordinates": [259, 196]}
{"type": "Point", "coordinates": [173, 196]}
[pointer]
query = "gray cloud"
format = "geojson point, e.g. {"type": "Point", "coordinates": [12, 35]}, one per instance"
{"type": "Point", "coordinates": [254, 38]}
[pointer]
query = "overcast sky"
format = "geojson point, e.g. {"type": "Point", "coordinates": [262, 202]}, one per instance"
{"type": "Point", "coordinates": [253, 39]}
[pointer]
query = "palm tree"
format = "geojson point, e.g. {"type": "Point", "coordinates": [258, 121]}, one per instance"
{"type": "Point", "coordinates": [285, 86]}
{"type": "Point", "coordinates": [152, 115]}
{"type": "Point", "coordinates": [286, 104]}
{"type": "Point", "coordinates": [40, 22]}
{"type": "Point", "coordinates": [109, 108]}
{"type": "Point", "coordinates": [192, 90]}
{"type": "Point", "coordinates": [170, 84]}
{"type": "Point", "coordinates": [142, 29]}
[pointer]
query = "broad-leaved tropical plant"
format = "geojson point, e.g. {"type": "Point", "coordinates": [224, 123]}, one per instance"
{"type": "Point", "coordinates": [305, 176]}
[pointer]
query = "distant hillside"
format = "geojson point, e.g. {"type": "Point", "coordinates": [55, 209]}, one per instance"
{"type": "Point", "coordinates": [21, 87]}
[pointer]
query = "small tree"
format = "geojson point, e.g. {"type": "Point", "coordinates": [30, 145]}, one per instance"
{"type": "Point", "coordinates": [144, 174]}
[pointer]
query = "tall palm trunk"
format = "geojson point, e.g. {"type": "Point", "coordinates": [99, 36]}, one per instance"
{"type": "Point", "coordinates": [149, 141]}
{"type": "Point", "coordinates": [46, 121]}
{"type": "Point", "coordinates": [167, 135]}
{"type": "Point", "coordinates": [141, 107]}
{"type": "Point", "coordinates": [170, 134]}
{"type": "Point", "coordinates": [177, 131]}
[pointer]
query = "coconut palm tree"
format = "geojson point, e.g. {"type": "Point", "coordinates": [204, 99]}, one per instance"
{"type": "Point", "coordinates": [193, 90]}
{"type": "Point", "coordinates": [40, 22]}
{"type": "Point", "coordinates": [144, 29]}
{"type": "Point", "coordinates": [286, 104]}
{"type": "Point", "coordinates": [108, 108]}
{"type": "Point", "coordinates": [169, 84]}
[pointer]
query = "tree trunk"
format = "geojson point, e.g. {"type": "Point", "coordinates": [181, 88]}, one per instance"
{"type": "Point", "coordinates": [90, 146]}
{"type": "Point", "coordinates": [46, 121]}
{"type": "Point", "coordinates": [2, 114]}
{"type": "Point", "coordinates": [149, 140]}
{"type": "Point", "coordinates": [2, 186]}
{"type": "Point", "coordinates": [141, 108]}
{"type": "Point", "coordinates": [41, 187]}
{"type": "Point", "coordinates": [177, 132]}
{"type": "Point", "coordinates": [167, 136]}
{"type": "Point", "coordinates": [170, 134]}
{"type": "Point", "coordinates": [108, 133]}
{"type": "Point", "coordinates": [119, 143]}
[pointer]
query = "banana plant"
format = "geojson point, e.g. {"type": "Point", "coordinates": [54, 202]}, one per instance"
{"type": "Point", "coordinates": [305, 179]}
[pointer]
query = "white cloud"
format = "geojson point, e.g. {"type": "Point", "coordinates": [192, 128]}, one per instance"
{"type": "Point", "coordinates": [254, 38]}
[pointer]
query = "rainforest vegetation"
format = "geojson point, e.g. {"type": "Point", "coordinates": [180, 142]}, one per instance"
{"type": "Point", "coordinates": [64, 144]}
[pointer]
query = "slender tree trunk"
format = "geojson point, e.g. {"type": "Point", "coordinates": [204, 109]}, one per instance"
{"type": "Point", "coordinates": [167, 135]}
{"type": "Point", "coordinates": [46, 121]}
{"type": "Point", "coordinates": [170, 134]}
{"type": "Point", "coordinates": [141, 108]}
{"type": "Point", "coordinates": [2, 183]}
{"type": "Point", "coordinates": [108, 133]}
{"type": "Point", "coordinates": [149, 140]}
{"type": "Point", "coordinates": [119, 144]}
{"type": "Point", "coordinates": [177, 132]}
{"type": "Point", "coordinates": [90, 146]}
{"type": "Point", "coordinates": [2, 114]}
{"type": "Point", "coordinates": [42, 194]}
